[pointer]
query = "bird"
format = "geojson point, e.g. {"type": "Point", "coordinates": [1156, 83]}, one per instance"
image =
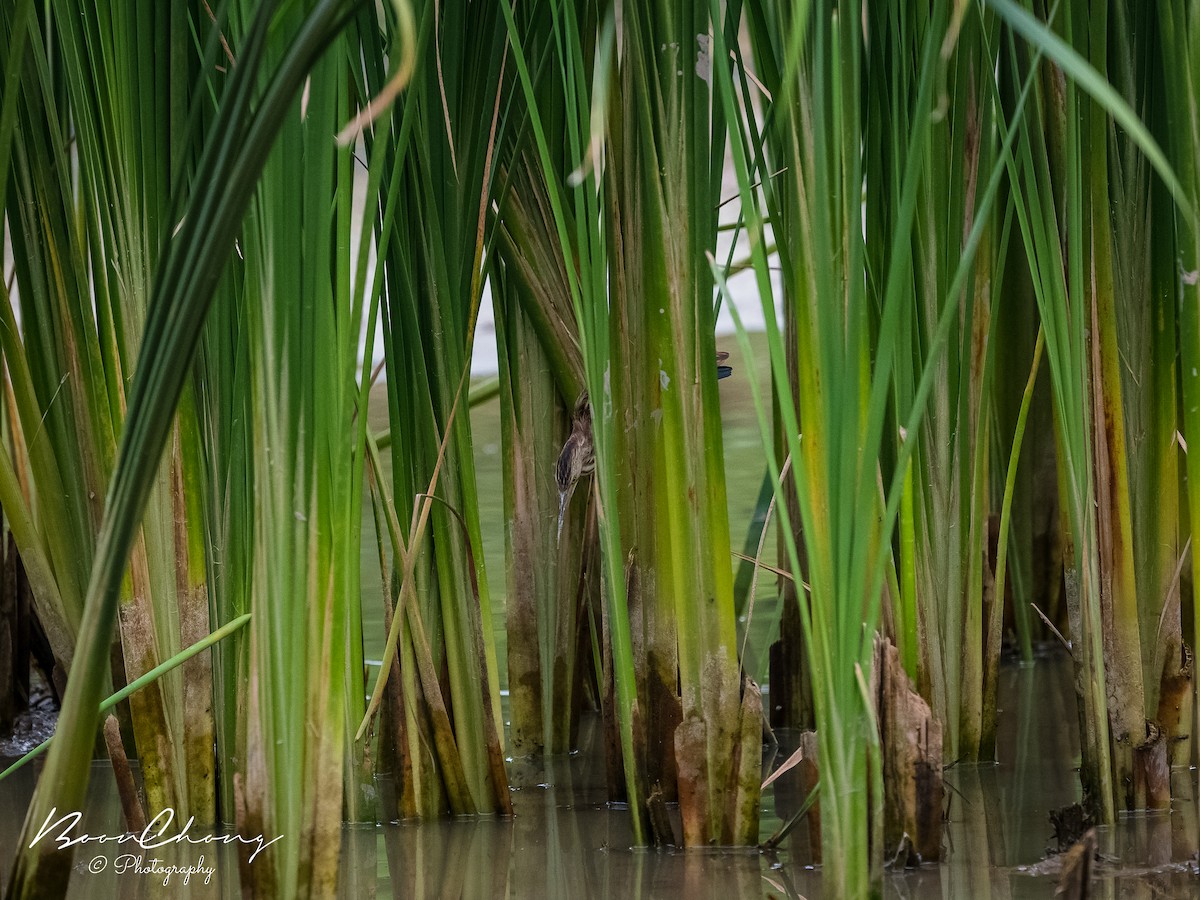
{"type": "Point", "coordinates": [578, 455]}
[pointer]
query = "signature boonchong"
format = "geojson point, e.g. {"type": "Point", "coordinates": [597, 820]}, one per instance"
{"type": "Point", "coordinates": [62, 831]}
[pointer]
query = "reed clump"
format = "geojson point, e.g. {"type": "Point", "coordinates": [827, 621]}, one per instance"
{"type": "Point", "coordinates": [229, 231]}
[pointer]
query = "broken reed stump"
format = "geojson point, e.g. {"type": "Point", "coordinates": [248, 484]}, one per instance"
{"type": "Point", "coordinates": [910, 741]}
{"type": "Point", "coordinates": [662, 829]}
{"type": "Point", "coordinates": [1152, 770]}
{"type": "Point", "coordinates": [745, 793]}
{"type": "Point", "coordinates": [742, 788]}
{"type": "Point", "coordinates": [808, 772]}
{"type": "Point", "coordinates": [1075, 882]}
{"type": "Point", "coordinates": [691, 738]}
{"type": "Point", "coordinates": [1175, 704]}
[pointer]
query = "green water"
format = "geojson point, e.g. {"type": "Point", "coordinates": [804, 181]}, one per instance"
{"type": "Point", "coordinates": [564, 842]}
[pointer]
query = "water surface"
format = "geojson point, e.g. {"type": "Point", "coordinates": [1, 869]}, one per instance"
{"type": "Point", "coordinates": [565, 841]}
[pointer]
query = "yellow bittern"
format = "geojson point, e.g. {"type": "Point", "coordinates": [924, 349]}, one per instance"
{"type": "Point", "coordinates": [578, 455]}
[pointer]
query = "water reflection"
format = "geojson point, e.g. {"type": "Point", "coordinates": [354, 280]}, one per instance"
{"type": "Point", "coordinates": [564, 842]}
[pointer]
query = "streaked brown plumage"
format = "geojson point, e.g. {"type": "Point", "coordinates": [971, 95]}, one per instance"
{"type": "Point", "coordinates": [578, 455]}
